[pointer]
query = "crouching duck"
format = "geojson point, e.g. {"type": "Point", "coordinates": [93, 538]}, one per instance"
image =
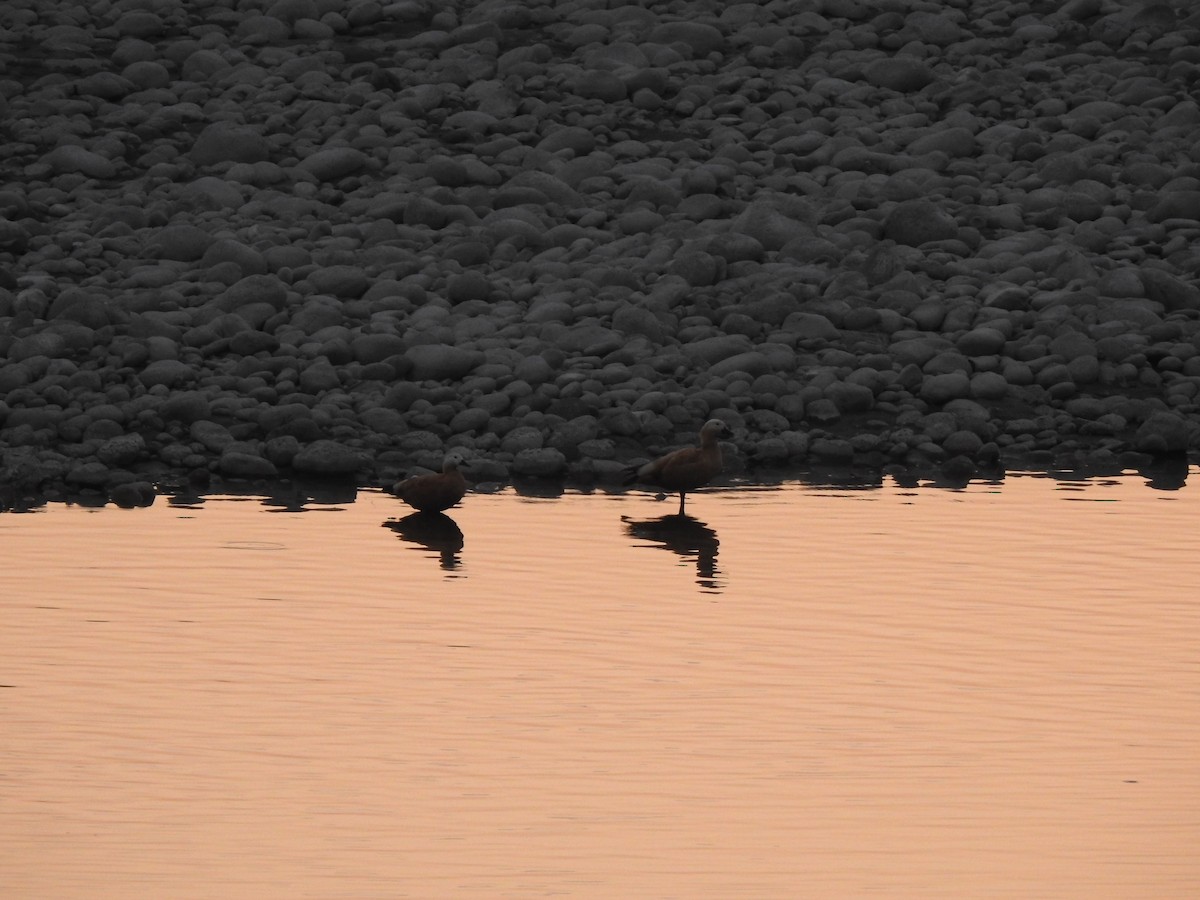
{"type": "Point", "coordinates": [436, 491]}
{"type": "Point", "coordinates": [686, 469]}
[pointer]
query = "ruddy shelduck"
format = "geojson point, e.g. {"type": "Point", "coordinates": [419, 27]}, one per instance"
{"type": "Point", "coordinates": [686, 469]}
{"type": "Point", "coordinates": [435, 491]}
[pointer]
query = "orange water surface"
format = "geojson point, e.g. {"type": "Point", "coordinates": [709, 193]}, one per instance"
{"type": "Point", "coordinates": [802, 691]}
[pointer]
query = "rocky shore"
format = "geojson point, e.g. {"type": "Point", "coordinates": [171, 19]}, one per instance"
{"type": "Point", "coordinates": [338, 238]}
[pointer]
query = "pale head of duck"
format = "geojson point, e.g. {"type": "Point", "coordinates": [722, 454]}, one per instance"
{"type": "Point", "coordinates": [714, 429]}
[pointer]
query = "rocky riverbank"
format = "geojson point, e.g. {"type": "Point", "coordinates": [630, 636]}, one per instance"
{"type": "Point", "coordinates": [328, 238]}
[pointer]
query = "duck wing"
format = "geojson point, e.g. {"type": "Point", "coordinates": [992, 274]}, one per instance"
{"type": "Point", "coordinates": [682, 470]}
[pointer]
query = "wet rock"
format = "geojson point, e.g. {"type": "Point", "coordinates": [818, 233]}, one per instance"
{"type": "Point", "coordinates": [541, 462]}
{"type": "Point", "coordinates": [1170, 291]}
{"type": "Point", "coordinates": [227, 142]}
{"type": "Point", "coordinates": [235, 463]}
{"type": "Point", "coordinates": [214, 436]}
{"type": "Point", "coordinates": [133, 494]}
{"type": "Point", "coordinates": [333, 163]}
{"type": "Point", "coordinates": [982, 341]}
{"type": "Point", "coordinates": [899, 73]}
{"type": "Point", "coordinates": [91, 474]}
{"type": "Point", "coordinates": [988, 386]}
{"type": "Point", "coordinates": [941, 389]}
{"type": "Point", "coordinates": [714, 349]}
{"type": "Point", "coordinates": [619, 219]}
{"type": "Point", "coordinates": [375, 348]}
{"type": "Point", "coordinates": [73, 159]}
{"type": "Point", "coordinates": [441, 362]}
{"type": "Point", "coordinates": [121, 451]}
{"type": "Point", "coordinates": [962, 443]}
{"type": "Point", "coordinates": [329, 458]}
{"type": "Point", "coordinates": [699, 38]}
{"type": "Point", "coordinates": [342, 281]}
{"type": "Point", "coordinates": [849, 397]}
{"type": "Point", "coordinates": [767, 226]}
{"type": "Point", "coordinates": [959, 469]}
{"type": "Point", "coordinates": [917, 222]}
{"type": "Point", "coordinates": [281, 450]}
{"type": "Point", "coordinates": [1164, 433]}
{"type": "Point", "coordinates": [180, 242]}
{"type": "Point", "coordinates": [831, 450]}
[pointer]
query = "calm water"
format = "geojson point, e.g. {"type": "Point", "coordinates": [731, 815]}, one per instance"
{"type": "Point", "coordinates": [802, 692]}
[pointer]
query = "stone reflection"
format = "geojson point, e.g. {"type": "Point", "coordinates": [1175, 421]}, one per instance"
{"type": "Point", "coordinates": [433, 531]}
{"type": "Point", "coordinates": [1167, 473]}
{"type": "Point", "coordinates": [685, 536]}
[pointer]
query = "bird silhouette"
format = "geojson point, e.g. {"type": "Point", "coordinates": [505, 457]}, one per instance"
{"type": "Point", "coordinates": [435, 491]}
{"type": "Point", "coordinates": [685, 469]}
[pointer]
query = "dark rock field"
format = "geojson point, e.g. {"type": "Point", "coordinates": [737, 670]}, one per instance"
{"type": "Point", "coordinates": [249, 240]}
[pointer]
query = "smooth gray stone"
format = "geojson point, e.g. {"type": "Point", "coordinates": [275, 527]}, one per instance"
{"type": "Point", "coordinates": [227, 142]}
{"type": "Point", "coordinates": [281, 450]}
{"type": "Point", "coordinates": [89, 474]}
{"type": "Point", "coordinates": [899, 73]}
{"type": "Point", "coordinates": [1165, 433]}
{"type": "Point", "coordinates": [700, 38]}
{"type": "Point", "coordinates": [341, 281]}
{"type": "Point", "coordinates": [831, 449]}
{"type": "Point", "coordinates": [947, 361]}
{"type": "Point", "coordinates": [982, 341]}
{"type": "Point", "coordinates": [373, 348]}
{"type": "Point", "coordinates": [243, 464]}
{"type": "Point", "coordinates": [180, 242]}
{"type": "Point", "coordinates": [185, 407]}
{"type": "Point", "coordinates": [752, 362]}
{"type": "Point", "coordinates": [543, 462]}
{"type": "Point", "coordinates": [44, 343]}
{"type": "Point", "coordinates": [71, 158]}
{"type": "Point", "coordinates": [1169, 290]}
{"type": "Point", "coordinates": [122, 451]}
{"type": "Point", "coordinates": [988, 386]}
{"type": "Point", "coordinates": [327, 457]}
{"type": "Point", "coordinates": [917, 351]}
{"type": "Point", "coordinates": [940, 389]}
{"type": "Point", "coordinates": [170, 373]}
{"type": "Point", "coordinates": [470, 285]}
{"type": "Point", "coordinates": [962, 443]}
{"type": "Point", "coordinates": [210, 192]}
{"type": "Point", "coordinates": [1183, 205]}
{"type": "Point", "coordinates": [850, 397]}
{"type": "Point", "coordinates": [441, 362]}
{"type": "Point", "coordinates": [805, 326]}
{"type": "Point", "coordinates": [319, 376]}
{"type": "Point", "coordinates": [770, 227]}
{"type": "Point", "coordinates": [212, 435]}
{"type": "Point", "coordinates": [714, 349]}
{"type": "Point", "coordinates": [133, 494]}
{"type": "Point", "coordinates": [821, 409]}
{"type": "Point", "coordinates": [333, 163]}
{"type": "Point", "coordinates": [917, 222]}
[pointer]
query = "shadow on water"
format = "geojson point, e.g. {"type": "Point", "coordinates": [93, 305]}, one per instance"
{"type": "Point", "coordinates": [1166, 474]}
{"type": "Point", "coordinates": [686, 537]}
{"type": "Point", "coordinates": [435, 532]}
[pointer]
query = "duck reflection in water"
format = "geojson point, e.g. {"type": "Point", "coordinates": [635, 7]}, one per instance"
{"type": "Point", "coordinates": [433, 531]}
{"type": "Point", "coordinates": [685, 536]}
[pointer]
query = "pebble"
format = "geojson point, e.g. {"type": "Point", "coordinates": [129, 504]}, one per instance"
{"type": "Point", "coordinates": [560, 237]}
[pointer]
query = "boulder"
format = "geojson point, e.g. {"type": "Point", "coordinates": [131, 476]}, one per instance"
{"type": "Point", "coordinates": [329, 458]}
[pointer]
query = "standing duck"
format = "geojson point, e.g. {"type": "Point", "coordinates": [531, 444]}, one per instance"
{"type": "Point", "coordinates": [436, 491]}
{"type": "Point", "coordinates": [686, 469]}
